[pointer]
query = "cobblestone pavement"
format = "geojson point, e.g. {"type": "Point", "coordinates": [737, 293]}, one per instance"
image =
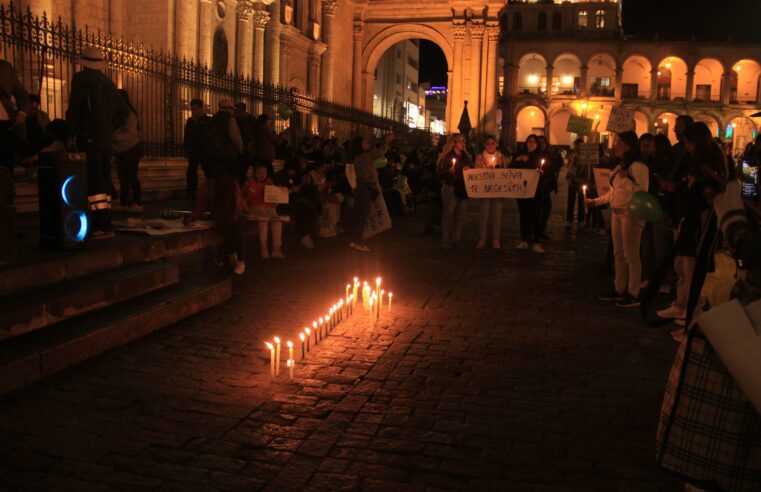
{"type": "Point", "coordinates": [495, 371]}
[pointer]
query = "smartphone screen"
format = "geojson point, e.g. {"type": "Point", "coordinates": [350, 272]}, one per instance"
{"type": "Point", "coordinates": [750, 180]}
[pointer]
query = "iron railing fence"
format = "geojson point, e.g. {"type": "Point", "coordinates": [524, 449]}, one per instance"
{"type": "Point", "coordinates": [160, 85]}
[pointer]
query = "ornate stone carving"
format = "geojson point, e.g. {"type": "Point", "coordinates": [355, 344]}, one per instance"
{"type": "Point", "coordinates": [477, 31]}
{"type": "Point", "coordinates": [329, 7]}
{"type": "Point", "coordinates": [359, 30]}
{"type": "Point", "coordinates": [492, 32]}
{"type": "Point", "coordinates": [458, 30]}
{"type": "Point", "coordinates": [261, 18]}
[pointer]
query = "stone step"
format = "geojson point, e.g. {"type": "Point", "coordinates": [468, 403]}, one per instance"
{"type": "Point", "coordinates": [35, 269]}
{"type": "Point", "coordinates": [32, 310]}
{"type": "Point", "coordinates": [31, 357]}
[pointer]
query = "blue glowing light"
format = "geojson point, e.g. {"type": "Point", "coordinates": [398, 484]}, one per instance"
{"type": "Point", "coordinates": [76, 226]}
{"type": "Point", "coordinates": [65, 192]}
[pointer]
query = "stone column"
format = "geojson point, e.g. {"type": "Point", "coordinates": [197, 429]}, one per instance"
{"type": "Point", "coordinates": [619, 83]}
{"type": "Point", "coordinates": [285, 52]}
{"type": "Point", "coordinates": [448, 112]}
{"type": "Point", "coordinates": [243, 50]}
{"type": "Point", "coordinates": [726, 80]}
{"type": "Point", "coordinates": [116, 14]}
{"type": "Point", "coordinates": [313, 88]}
{"type": "Point", "coordinates": [490, 96]}
{"type": "Point", "coordinates": [260, 20]}
{"type": "Point", "coordinates": [476, 47]}
{"type": "Point", "coordinates": [584, 81]}
{"type": "Point", "coordinates": [272, 41]}
{"type": "Point", "coordinates": [205, 34]}
{"type": "Point", "coordinates": [186, 28]}
{"type": "Point", "coordinates": [549, 74]}
{"type": "Point", "coordinates": [455, 96]}
{"type": "Point", "coordinates": [356, 83]}
{"type": "Point", "coordinates": [690, 93]}
{"type": "Point", "coordinates": [654, 84]}
{"type": "Point", "coordinates": [328, 14]}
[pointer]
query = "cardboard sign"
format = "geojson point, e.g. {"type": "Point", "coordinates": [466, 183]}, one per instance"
{"type": "Point", "coordinates": [579, 125]}
{"type": "Point", "coordinates": [351, 175]}
{"type": "Point", "coordinates": [275, 194]}
{"type": "Point", "coordinates": [621, 120]}
{"type": "Point", "coordinates": [589, 154]}
{"type": "Point", "coordinates": [501, 183]}
{"type": "Point", "coordinates": [378, 219]}
{"type": "Point", "coordinates": [602, 180]}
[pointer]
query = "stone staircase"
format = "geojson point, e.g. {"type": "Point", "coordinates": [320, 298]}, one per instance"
{"type": "Point", "coordinates": [59, 309]}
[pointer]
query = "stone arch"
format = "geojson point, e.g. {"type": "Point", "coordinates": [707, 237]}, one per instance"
{"type": "Point", "coordinates": [637, 70]}
{"type": "Point", "coordinates": [558, 122]}
{"type": "Point", "coordinates": [534, 120]}
{"type": "Point", "coordinates": [708, 74]}
{"type": "Point", "coordinates": [389, 36]}
{"type": "Point", "coordinates": [711, 119]}
{"type": "Point", "coordinates": [567, 70]}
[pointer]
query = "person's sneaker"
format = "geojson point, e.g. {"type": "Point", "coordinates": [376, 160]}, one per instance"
{"type": "Point", "coordinates": [135, 208]}
{"type": "Point", "coordinates": [680, 321]}
{"type": "Point", "coordinates": [278, 254]}
{"type": "Point", "coordinates": [495, 244]}
{"type": "Point", "coordinates": [538, 248]}
{"type": "Point", "coordinates": [629, 301]}
{"type": "Point", "coordinates": [240, 268]}
{"type": "Point", "coordinates": [306, 242]}
{"type": "Point", "coordinates": [678, 335]}
{"type": "Point", "coordinates": [480, 244]}
{"type": "Point", "coordinates": [612, 295]}
{"type": "Point", "coordinates": [671, 312]}
{"type": "Point", "coordinates": [522, 245]}
{"type": "Point", "coordinates": [359, 247]}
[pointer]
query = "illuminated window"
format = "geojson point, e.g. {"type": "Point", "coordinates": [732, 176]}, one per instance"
{"type": "Point", "coordinates": [600, 19]}
{"type": "Point", "coordinates": [583, 19]}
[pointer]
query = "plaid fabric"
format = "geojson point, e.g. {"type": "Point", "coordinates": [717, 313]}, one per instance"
{"type": "Point", "coordinates": [708, 432]}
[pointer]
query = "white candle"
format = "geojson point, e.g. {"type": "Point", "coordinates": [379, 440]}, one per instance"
{"type": "Point", "coordinates": [290, 351]}
{"type": "Point", "coordinates": [380, 299]}
{"type": "Point", "coordinates": [291, 363]}
{"type": "Point", "coordinates": [308, 331]}
{"type": "Point", "coordinates": [584, 192]}
{"type": "Point", "coordinates": [277, 356]}
{"type": "Point", "coordinates": [390, 298]}
{"type": "Point", "coordinates": [327, 324]}
{"type": "Point", "coordinates": [302, 337]}
{"type": "Point", "coordinates": [454, 161]}
{"type": "Point", "coordinates": [541, 164]}
{"type": "Point", "coordinates": [348, 286]}
{"type": "Point", "coordinates": [377, 286]}
{"type": "Point", "coordinates": [319, 328]}
{"type": "Point", "coordinates": [314, 329]}
{"type": "Point", "coordinates": [272, 359]}
{"type": "Point", "coordinates": [371, 310]}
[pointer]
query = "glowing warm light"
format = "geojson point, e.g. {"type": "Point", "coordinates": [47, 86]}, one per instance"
{"type": "Point", "coordinates": [583, 105]}
{"type": "Point", "coordinates": [289, 344]}
{"type": "Point", "coordinates": [738, 68]}
{"type": "Point", "coordinates": [533, 79]}
{"type": "Point", "coordinates": [269, 345]}
{"type": "Point", "coordinates": [567, 79]}
{"type": "Point", "coordinates": [597, 116]}
{"type": "Point", "coordinates": [302, 337]}
{"type": "Point", "coordinates": [533, 113]}
{"type": "Point", "coordinates": [668, 65]}
{"type": "Point", "coordinates": [665, 120]}
{"type": "Point", "coordinates": [659, 73]}
{"type": "Point", "coordinates": [734, 125]}
{"type": "Point", "coordinates": [277, 340]}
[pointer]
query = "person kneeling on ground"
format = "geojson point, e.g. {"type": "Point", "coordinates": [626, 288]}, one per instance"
{"type": "Point", "coordinates": [221, 196]}
{"type": "Point", "coordinates": [265, 213]}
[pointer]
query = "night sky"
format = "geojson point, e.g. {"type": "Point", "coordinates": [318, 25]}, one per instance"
{"type": "Point", "coordinates": [708, 20]}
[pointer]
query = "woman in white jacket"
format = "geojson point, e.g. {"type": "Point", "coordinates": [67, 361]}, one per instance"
{"type": "Point", "coordinates": [629, 176]}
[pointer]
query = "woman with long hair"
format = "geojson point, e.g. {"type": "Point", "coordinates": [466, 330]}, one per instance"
{"type": "Point", "coordinates": [366, 192]}
{"type": "Point", "coordinates": [629, 176]}
{"type": "Point", "coordinates": [548, 181]}
{"type": "Point", "coordinates": [706, 166]}
{"type": "Point", "coordinates": [530, 208]}
{"type": "Point", "coordinates": [128, 149]}
{"type": "Point", "coordinates": [490, 158]}
{"type": "Point", "coordinates": [454, 159]}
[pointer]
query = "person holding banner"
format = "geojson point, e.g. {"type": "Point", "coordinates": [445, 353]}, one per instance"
{"type": "Point", "coordinates": [490, 158]}
{"type": "Point", "coordinates": [629, 176]}
{"type": "Point", "coordinates": [530, 208]}
{"type": "Point", "coordinates": [453, 161]}
{"type": "Point", "coordinates": [265, 213]}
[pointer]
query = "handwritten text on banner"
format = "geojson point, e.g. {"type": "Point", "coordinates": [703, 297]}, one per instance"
{"type": "Point", "coordinates": [501, 183]}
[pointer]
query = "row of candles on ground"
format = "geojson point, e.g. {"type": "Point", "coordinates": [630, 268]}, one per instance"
{"type": "Point", "coordinates": [372, 300]}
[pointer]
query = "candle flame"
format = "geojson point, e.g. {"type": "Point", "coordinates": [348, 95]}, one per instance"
{"type": "Point", "coordinates": [341, 303]}
{"type": "Point", "coordinates": [584, 187]}
{"type": "Point", "coordinates": [308, 330]}
{"type": "Point", "coordinates": [383, 292]}
{"type": "Point", "coordinates": [289, 344]}
{"type": "Point", "coordinates": [301, 336]}
{"type": "Point", "coordinates": [314, 324]}
{"type": "Point", "coordinates": [377, 281]}
{"type": "Point", "coordinates": [356, 280]}
{"type": "Point", "coordinates": [288, 363]}
{"type": "Point", "coordinates": [320, 319]}
{"type": "Point", "coordinates": [269, 345]}
{"type": "Point", "coordinates": [277, 340]}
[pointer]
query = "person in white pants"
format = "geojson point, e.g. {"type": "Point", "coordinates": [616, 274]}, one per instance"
{"type": "Point", "coordinates": [629, 176]}
{"type": "Point", "coordinates": [490, 158]}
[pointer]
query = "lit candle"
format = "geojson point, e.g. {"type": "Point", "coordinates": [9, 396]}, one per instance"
{"type": "Point", "coordinates": [347, 289]}
{"type": "Point", "coordinates": [319, 328]}
{"type": "Point", "coordinates": [341, 309]}
{"type": "Point", "coordinates": [302, 337]}
{"type": "Point", "coordinates": [272, 359]}
{"type": "Point", "coordinates": [377, 286]}
{"type": "Point", "coordinates": [314, 329]}
{"type": "Point", "coordinates": [308, 331]}
{"type": "Point", "coordinates": [541, 164]}
{"type": "Point", "coordinates": [380, 301]}
{"type": "Point", "coordinates": [371, 310]}
{"type": "Point", "coordinates": [291, 363]}
{"type": "Point", "coordinates": [584, 192]}
{"type": "Point", "coordinates": [390, 298]}
{"type": "Point", "coordinates": [454, 161]}
{"type": "Point", "coordinates": [354, 292]}
{"type": "Point", "coordinates": [327, 323]}
{"type": "Point", "coordinates": [277, 356]}
{"type": "Point", "coordinates": [290, 351]}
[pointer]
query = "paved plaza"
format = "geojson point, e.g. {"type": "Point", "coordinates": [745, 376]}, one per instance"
{"type": "Point", "coordinates": [494, 371]}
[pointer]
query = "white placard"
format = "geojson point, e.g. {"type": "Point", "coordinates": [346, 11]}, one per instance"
{"type": "Point", "coordinates": [378, 219]}
{"type": "Point", "coordinates": [602, 180]}
{"type": "Point", "coordinates": [621, 120]}
{"type": "Point", "coordinates": [589, 154]}
{"type": "Point", "coordinates": [351, 175]}
{"type": "Point", "coordinates": [501, 183]}
{"type": "Point", "coordinates": [275, 194]}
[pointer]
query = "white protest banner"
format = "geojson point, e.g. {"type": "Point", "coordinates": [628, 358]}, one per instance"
{"type": "Point", "coordinates": [351, 175]}
{"type": "Point", "coordinates": [378, 219]}
{"type": "Point", "coordinates": [621, 120]}
{"type": "Point", "coordinates": [275, 194]}
{"type": "Point", "coordinates": [589, 154]}
{"type": "Point", "coordinates": [501, 183]}
{"type": "Point", "coordinates": [602, 180]}
{"type": "Point", "coordinates": [579, 125]}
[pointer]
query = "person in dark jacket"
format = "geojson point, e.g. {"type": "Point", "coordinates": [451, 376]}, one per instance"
{"type": "Point", "coordinates": [95, 110]}
{"type": "Point", "coordinates": [192, 143]}
{"type": "Point", "coordinates": [452, 163]}
{"type": "Point", "coordinates": [12, 115]}
{"type": "Point", "coordinates": [222, 142]}
{"type": "Point", "coordinates": [247, 125]}
{"type": "Point", "coordinates": [264, 142]}
{"type": "Point", "coordinates": [530, 208]}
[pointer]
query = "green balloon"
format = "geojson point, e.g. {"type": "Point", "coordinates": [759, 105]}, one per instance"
{"type": "Point", "coordinates": [380, 162]}
{"type": "Point", "coordinates": [284, 111]}
{"type": "Point", "coordinates": [644, 206]}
